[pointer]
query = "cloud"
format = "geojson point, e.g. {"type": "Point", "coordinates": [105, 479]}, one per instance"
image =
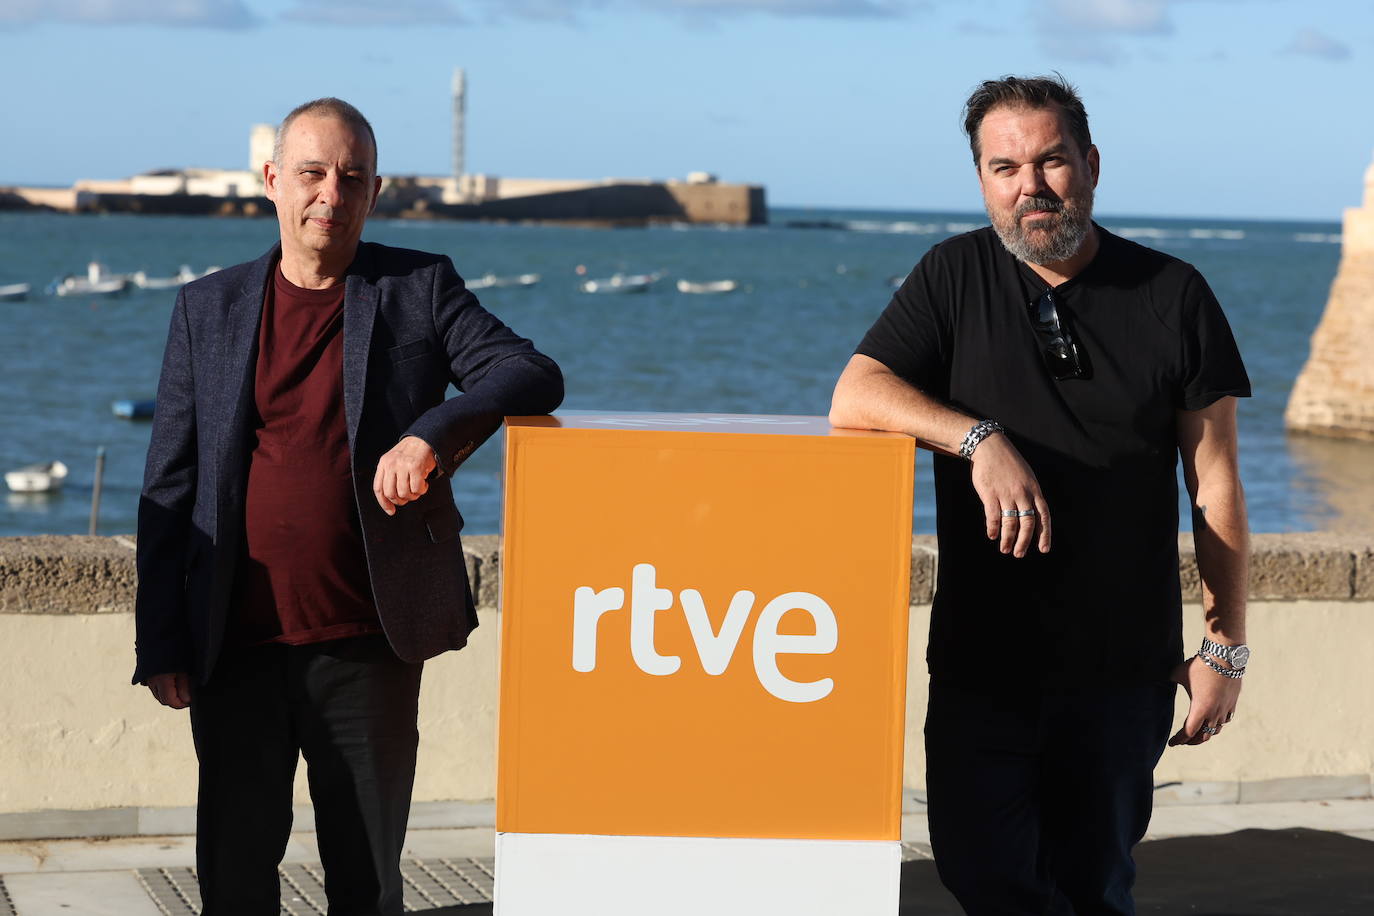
{"type": "Point", "coordinates": [1086, 31]}
{"type": "Point", "coordinates": [444, 12]}
{"type": "Point", "coordinates": [1314, 44]}
{"type": "Point", "coordinates": [1130, 17]}
{"type": "Point", "coordinates": [838, 9]}
{"type": "Point", "coordinates": [221, 14]}
{"type": "Point", "coordinates": [369, 14]}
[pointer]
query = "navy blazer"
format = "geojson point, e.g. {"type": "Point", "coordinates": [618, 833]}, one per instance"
{"type": "Point", "coordinates": [410, 328]}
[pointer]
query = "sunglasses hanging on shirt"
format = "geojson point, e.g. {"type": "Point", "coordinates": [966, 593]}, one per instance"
{"type": "Point", "coordinates": [1057, 346]}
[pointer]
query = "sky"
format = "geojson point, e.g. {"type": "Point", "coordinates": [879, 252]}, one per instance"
{"type": "Point", "coordinates": [1200, 108]}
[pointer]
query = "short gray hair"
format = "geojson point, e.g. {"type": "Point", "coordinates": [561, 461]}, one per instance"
{"type": "Point", "coordinates": [326, 107]}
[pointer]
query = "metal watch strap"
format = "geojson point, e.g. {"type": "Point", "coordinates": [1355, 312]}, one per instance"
{"type": "Point", "coordinates": [980, 431]}
{"type": "Point", "coordinates": [1224, 672]}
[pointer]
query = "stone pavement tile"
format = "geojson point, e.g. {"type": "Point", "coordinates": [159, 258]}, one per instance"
{"type": "Point", "coordinates": [915, 829]}
{"type": "Point", "coordinates": [101, 854]}
{"type": "Point", "coordinates": [465, 842]}
{"type": "Point", "coordinates": [1340, 815]}
{"type": "Point", "coordinates": [95, 893]}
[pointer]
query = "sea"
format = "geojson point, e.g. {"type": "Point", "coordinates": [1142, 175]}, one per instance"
{"type": "Point", "coordinates": [810, 283]}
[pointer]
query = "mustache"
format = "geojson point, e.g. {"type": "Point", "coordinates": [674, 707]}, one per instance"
{"type": "Point", "coordinates": [1047, 204]}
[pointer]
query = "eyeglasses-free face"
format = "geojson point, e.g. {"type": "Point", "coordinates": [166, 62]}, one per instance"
{"type": "Point", "coordinates": [1057, 346]}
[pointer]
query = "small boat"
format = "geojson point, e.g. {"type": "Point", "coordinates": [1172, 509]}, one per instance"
{"type": "Point", "coordinates": [487, 281]}
{"type": "Point", "coordinates": [97, 282]}
{"type": "Point", "coordinates": [181, 278]}
{"type": "Point", "coordinates": [133, 410]}
{"type": "Point", "coordinates": [707, 287]}
{"type": "Point", "coordinates": [13, 292]}
{"type": "Point", "coordinates": [37, 478]}
{"type": "Point", "coordinates": [620, 283]}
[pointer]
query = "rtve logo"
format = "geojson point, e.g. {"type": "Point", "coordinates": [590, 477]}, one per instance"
{"type": "Point", "coordinates": [715, 649]}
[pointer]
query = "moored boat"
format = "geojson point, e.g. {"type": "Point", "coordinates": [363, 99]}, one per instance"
{"type": "Point", "coordinates": [707, 287]}
{"type": "Point", "coordinates": [127, 409]}
{"type": "Point", "coordinates": [13, 292]}
{"type": "Point", "coordinates": [97, 282]}
{"type": "Point", "coordinates": [488, 281]}
{"type": "Point", "coordinates": [620, 283]}
{"type": "Point", "coordinates": [37, 478]}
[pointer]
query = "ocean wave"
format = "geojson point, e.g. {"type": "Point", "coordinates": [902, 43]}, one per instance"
{"type": "Point", "coordinates": [1216, 234]}
{"type": "Point", "coordinates": [1144, 232]}
{"type": "Point", "coordinates": [901, 227]}
{"type": "Point", "coordinates": [1325, 238]}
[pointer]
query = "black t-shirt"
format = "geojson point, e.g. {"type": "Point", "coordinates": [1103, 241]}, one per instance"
{"type": "Point", "coordinates": [1104, 603]}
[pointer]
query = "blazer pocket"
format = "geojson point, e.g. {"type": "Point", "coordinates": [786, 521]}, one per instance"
{"type": "Point", "coordinates": [409, 350]}
{"type": "Point", "coordinates": [443, 524]}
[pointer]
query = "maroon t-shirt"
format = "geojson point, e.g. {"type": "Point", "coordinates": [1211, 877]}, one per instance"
{"type": "Point", "coordinates": [303, 578]}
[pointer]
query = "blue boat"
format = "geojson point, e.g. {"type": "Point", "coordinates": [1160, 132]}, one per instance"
{"type": "Point", "coordinates": [133, 410]}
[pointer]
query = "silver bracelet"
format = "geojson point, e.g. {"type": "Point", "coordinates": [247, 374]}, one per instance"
{"type": "Point", "coordinates": [980, 431]}
{"type": "Point", "coordinates": [1224, 672]}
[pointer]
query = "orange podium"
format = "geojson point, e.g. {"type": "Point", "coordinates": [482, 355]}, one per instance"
{"type": "Point", "coordinates": [703, 665]}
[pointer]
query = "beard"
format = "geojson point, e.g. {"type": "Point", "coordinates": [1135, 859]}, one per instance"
{"type": "Point", "coordinates": [1050, 239]}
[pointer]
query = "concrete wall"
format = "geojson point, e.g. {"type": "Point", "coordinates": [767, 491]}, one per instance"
{"type": "Point", "coordinates": [84, 753]}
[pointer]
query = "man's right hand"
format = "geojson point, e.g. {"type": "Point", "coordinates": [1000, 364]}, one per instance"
{"type": "Point", "coordinates": [1005, 483]}
{"type": "Point", "coordinates": [172, 690]}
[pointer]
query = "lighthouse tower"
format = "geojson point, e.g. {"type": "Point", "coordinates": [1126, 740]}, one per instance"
{"type": "Point", "coordinates": [459, 128]}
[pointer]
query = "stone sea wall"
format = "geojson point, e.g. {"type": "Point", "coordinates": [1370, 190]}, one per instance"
{"type": "Point", "coordinates": [84, 753]}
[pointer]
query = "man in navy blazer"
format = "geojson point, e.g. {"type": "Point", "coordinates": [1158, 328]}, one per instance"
{"type": "Point", "coordinates": [298, 551]}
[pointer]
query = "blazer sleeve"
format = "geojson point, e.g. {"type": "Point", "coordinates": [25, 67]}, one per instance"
{"type": "Point", "coordinates": [499, 373]}
{"type": "Point", "coordinates": [163, 640]}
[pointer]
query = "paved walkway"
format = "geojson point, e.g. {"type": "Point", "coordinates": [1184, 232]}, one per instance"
{"type": "Point", "coordinates": [451, 870]}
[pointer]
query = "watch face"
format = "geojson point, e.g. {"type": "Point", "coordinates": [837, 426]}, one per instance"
{"type": "Point", "coordinates": [1240, 657]}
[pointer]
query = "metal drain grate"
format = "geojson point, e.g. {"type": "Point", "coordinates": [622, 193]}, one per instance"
{"type": "Point", "coordinates": [6, 904]}
{"type": "Point", "coordinates": [429, 884]}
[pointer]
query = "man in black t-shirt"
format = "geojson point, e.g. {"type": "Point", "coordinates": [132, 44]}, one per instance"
{"type": "Point", "coordinates": [1059, 372]}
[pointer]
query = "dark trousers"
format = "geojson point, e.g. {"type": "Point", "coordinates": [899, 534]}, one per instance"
{"type": "Point", "coordinates": [349, 706]}
{"type": "Point", "coordinates": [1036, 797]}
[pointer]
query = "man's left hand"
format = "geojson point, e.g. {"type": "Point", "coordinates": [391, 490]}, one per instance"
{"type": "Point", "coordinates": [403, 473]}
{"type": "Point", "coordinates": [1212, 703]}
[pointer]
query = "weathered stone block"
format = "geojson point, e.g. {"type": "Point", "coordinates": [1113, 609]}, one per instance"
{"type": "Point", "coordinates": [50, 574]}
{"type": "Point", "coordinates": [1188, 575]}
{"type": "Point", "coordinates": [1308, 565]}
{"type": "Point", "coordinates": [1364, 572]}
{"type": "Point", "coordinates": [925, 556]}
{"type": "Point", "coordinates": [482, 555]}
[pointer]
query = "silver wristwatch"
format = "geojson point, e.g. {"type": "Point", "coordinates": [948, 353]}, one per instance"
{"type": "Point", "coordinates": [1237, 656]}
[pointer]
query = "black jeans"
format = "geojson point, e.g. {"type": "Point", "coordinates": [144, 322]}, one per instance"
{"type": "Point", "coordinates": [1036, 797]}
{"type": "Point", "coordinates": [349, 706]}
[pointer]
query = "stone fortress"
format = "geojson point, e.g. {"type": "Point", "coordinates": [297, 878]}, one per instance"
{"type": "Point", "coordinates": [699, 198]}
{"type": "Point", "coordinates": [1334, 394]}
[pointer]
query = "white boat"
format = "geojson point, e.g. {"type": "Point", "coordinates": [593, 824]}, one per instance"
{"type": "Point", "coordinates": [37, 478]}
{"type": "Point", "coordinates": [97, 282]}
{"type": "Point", "coordinates": [13, 292]}
{"type": "Point", "coordinates": [707, 287]}
{"type": "Point", "coordinates": [181, 278]}
{"type": "Point", "coordinates": [487, 281]}
{"type": "Point", "coordinates": [620, 283]}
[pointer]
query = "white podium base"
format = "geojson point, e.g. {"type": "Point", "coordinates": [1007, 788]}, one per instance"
{"type": "Point", "coordinates": [538, 874]}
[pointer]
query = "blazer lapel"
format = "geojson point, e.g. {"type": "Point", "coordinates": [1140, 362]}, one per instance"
{"type": "Point", "coordinates": [360, 309]}
{"type": "Point", "coordinates": [237, 369]}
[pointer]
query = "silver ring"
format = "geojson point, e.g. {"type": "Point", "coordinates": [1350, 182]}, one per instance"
{"type": "Point", "coordinates": [1210, 729]}
{"type": "Point", "coordinates": [1025, 513]}
{"type": "Point", "coordinates": [1010, 513]}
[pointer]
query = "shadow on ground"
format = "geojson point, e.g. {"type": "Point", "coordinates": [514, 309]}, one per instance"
{"type": "Point", "coordinates": [1250, 873]}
